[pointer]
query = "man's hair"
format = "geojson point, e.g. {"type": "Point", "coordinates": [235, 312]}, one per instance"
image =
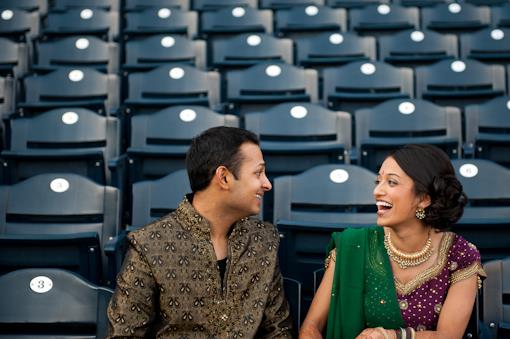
{"type": "Point", "coordinates": [217, 146]}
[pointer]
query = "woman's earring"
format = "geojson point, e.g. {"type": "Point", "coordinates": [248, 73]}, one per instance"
{"type": "Point", "coordinates": [420, 213]}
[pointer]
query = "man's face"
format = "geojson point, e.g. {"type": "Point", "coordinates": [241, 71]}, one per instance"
{"type": "Point", "coordinates": [251, 183]}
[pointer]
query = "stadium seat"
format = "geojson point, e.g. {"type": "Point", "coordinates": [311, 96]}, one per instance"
{"type": "Point", "coordinates": [295, 137]}
{"type": "Point", "coordinates": [245, 50]}
{"type": "Point", "coordinates": [348, 4]}
{"type": "Point", "coordinates": [455, 18]}
{"type": "Point", "coordinates": [161, 20]}
{"type": "Point", "coordinates": [416, 48]}
{"type": "Point", "coordinates": [76, 51]}
{"type": "Point", "coordinates": [60, 221]}
{"type": "Point", "coordinates": [486, 218]}
{"type": "Point", "coordinates": [293, 293]}
{"type": "Point", "coordinates": [333, 49]}
{"type": "Point", "coordinates": [18, 25]}
{"type": "Point", "coordinates": [214, 5]}
{"type": "Point", "coordinates": [265, 84]}
{"type": "Point", "coordinates": [383, 19]}
{"type": "Point", "coordinates": [420, 3]}
{"type": "Point", "coordinates": [312, 205]}
{"type": "Point", "coordinates": [7, 98]}
{"type": "Point", "coordinates": [13, 58]}
{"type": "Point", "coordinates": [171, 85]}
{"type": "Point", "coordinates": [310, 20]}
{"type": "Point", "coordinates": [363, 84]}
{"type": "Point", "coordinates": [64, 5]}
{"type": "Point", "coordinates": [153, 51]}
{"type": "Point", "coordinates": [227, 22]}
{"type": "Point", "coordinates": [459, 82]}
{"type": "Point", "coordinates": [67, 140]}
{"type": "Point", "coordinates": [159, 141]}
{"type": "Point", "coordinates": [488, 130]}
{"type": "Point", "coordinates": [500, 16]}
{"type": "Point", "coordinates": [496, 306]}
{"type": "Point", "coordinates": [153, 199]}
{"type": "Point", "coordinates": [68, 87]}
{"type": "Point", "coordinates": [82, 21]}
{"type": "Point", "coordinates": [287, 4]}
{"type": "Point", "coordinates": [51, 303]}
{"type": "Point", "coordinates": [487, 45]}
{"type": "Point", "coordinates": [394, 123]}
{"type": "Point", "coordinates": [140, 5]}
{"type": "Point", "coordinates": [40, 6]}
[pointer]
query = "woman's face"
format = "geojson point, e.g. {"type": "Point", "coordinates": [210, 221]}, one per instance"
{"type": "Point", "coordinates": [395, 197]}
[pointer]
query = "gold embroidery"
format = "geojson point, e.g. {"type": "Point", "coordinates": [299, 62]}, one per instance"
{"type": "Point", "coordinates": [422, 277]}
{"type": "Point", "coordinates": [403, 304]}
{"type": "Point", "coordinates": [474, 268]}
{"type": "Point", "coordinates": [438, 307]}
{"type": "Point", "coordinates": [331, 257]}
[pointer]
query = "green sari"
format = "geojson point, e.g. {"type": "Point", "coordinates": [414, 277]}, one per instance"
{"type": "Point", "coordinates": [363, 286]}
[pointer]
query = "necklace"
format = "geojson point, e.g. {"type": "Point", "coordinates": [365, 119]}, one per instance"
{"type": "Point", "coordinates": [405, 260]}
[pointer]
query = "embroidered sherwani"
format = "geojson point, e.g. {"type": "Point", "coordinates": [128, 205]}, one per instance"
{"type": "Point", "coordinates": [170, 286]}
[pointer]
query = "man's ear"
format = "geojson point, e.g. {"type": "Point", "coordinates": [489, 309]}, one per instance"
{"type": "Point", "coordinates": [222, 177]}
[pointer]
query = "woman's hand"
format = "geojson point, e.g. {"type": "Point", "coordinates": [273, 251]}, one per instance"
{"type": "Point", "coordinates": [377, 333]}
{"type": "Point", "coordinates": [309, 332]}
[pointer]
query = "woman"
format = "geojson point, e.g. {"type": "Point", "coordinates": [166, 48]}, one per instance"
{"type": "Point", "coordinates": [408, 277]}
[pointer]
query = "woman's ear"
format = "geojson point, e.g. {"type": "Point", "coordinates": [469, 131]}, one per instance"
{"type": "Point", "coordinates": [425, 201]}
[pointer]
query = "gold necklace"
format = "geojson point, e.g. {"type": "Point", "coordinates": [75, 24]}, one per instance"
{"type": "Point", "coordinates": [405, 260]}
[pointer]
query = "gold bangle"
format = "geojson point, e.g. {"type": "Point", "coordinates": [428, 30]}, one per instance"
{"type": "Point", "coordinates": [413, 333]}
{"type": "Point", "coordinates": [383, 331]}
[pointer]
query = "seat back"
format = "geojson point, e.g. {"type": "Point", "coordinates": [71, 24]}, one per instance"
{"type": "Point", "coordinates": [293, 293]}
{"type": "Point", "coordinates": [288, 4]}
{"type": "Point", "coordinates": [40, 6]}
{"type": "Point", "coordinates": [234, 20]}
{"type": "Point", "coordinates": [161, 20]}
{"type": "Point", "coordinates": [7, 99]}
{"type": "Point", "coordinates": [487, 130]}
{"type": "Point", "coordinates": [64, 5]}
{"type": "Point", "coordinates": [501, 16]}
{"type": "Point", "coordinates": [394, 123]}
{"type": "Point", "coordinates": [487, 45]}
{"type": "Point", "coordinates": [140, 5]}
{"type": "Point", "coordinates": [13, 58]}
{"type": "Point", "coordinates": [455, 17]}
{"type": "Point", "coordinates": [496, 292]}
{"type": "Point", "coordinates": [214, 5]}
{"type": "Point", "coordinates": [18, 25]}
{"type": "Point", "coordinates": [43, 303]}
{"type": "Point", "coordinates": [383, 19]}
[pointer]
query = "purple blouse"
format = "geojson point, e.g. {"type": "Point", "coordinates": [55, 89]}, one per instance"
{"type": "Point", "coordinates": [422, 298]}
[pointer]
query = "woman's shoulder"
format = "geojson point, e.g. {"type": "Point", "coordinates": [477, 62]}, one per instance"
{"type": "Point", "coordinates": [463, 252]}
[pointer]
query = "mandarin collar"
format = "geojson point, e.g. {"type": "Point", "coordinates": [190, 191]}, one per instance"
{"type": "Point", "coordinates": [194, 222]}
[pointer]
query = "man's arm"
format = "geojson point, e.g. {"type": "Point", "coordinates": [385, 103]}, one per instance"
{"type": "Point", "coordinates": [132, 308]}
{"type": "Point", "coordinates": [276, 322]}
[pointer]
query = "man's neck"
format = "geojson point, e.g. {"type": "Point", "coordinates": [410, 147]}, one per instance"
{"type": "Point", "coordinates": [209, 206]}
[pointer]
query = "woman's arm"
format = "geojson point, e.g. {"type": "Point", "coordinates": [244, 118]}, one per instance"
{"type": "Point", "coordinates": [317, 316]}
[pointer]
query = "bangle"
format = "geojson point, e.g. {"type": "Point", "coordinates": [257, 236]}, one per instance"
{"type": "Point", "coordinates": [398, 334]}
{"type": "Point", "coordinates": [383, 331]}
{"type": "Point", "coordinates": [404, 333]}
{"type": "Point", "coordinates": [412, 333]}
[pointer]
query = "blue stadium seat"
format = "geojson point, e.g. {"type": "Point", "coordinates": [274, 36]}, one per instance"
{"type": "Point", "coordinates": [488, 130]}
{"type": "Point", "coordinates": [363, 84]}
{"type": "Point", "coordinates": [72, 140]}
{"type": "Point", "coordinates": [76, 51]}
{"type": "Point", "coordinates": [334, 49]}
{"type": "Point", "coordinates": [227, 22]}
{"type": "Point", "coordinates": [383, 19]}
{"type": "Point", "coordinates": [293, 293]}
{"type": "Point", "coordinates": [310, 20]}
{"type": "Point", "coordinates": [265, 84]}
{"type": "Point", "coordinates": [459, 82]}
{"type": "Point", "coordinates": [214, 5]}
{"type": "Point", "coordinates": [64, 5]}
{"type": "Point", "coordinates": [60, 221]}
{"type": "Point", "coordinates": [14, 58]}
{"type": "Point", "coordinates": [40, 6]}
{"type": "Point", "coordinates": [486, 219]}
{"type": "Point", "coordinates": [287, 4]}
{"type": "Point", "coordinates": [487, 45]}
{"type": "Point", "coordinates": [417, 48]}
{"type": "Point", "coordinates": [140, 5]}
{"type": "Point", "coordinates": [455, 17]}
{"type": "Point", "coordinates": [171, 85]}
{"type": "Point", "coordinates": [153, 51]}
{"type": "Point", "coordinates": [7, 98]}
{"type": "Point", "coordinates": [18, 25]}
{"type": "Point", "coordinates": [420, 3]}
{"type": "Point", "coordinates": [153, 199]}
{"type": "Point", "coordinates": [312, 205]}
{"type": "Point", "coordinates": [248, 49]}
{"type": "Point", "coordinates": [159, 141]}
{"type": "Point", "coordinates": [51, 303]}
{"type": "Point", "coordinates": [500, 16]}
{"type": "Point", "coordinates": [397, 122]}
{"type": "Point", "coordinates": [82, 21]}
{"type": "Point", "coordinates": [160, 20]}
{"type": "Point", "coordinates": [348, 4]}
{"type": "Point", "coordinates": [496, 289]}
{"type": "Point", "coordinates": [70, 87]}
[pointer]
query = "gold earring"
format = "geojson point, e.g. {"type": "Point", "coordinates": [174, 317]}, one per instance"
{"type": "Point", "coordinates": [420, 213]}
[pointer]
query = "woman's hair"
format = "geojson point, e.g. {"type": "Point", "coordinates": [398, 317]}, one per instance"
{"type": "Point", "coordinates": [433, 174]}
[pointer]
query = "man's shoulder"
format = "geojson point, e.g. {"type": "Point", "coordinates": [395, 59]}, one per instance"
{"type": "Point", "coordinates": [260, 226]}
{"type": "Point", "coordinates": [164, 224]}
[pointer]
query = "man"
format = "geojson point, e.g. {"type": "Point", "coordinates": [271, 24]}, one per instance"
{"type": "Point", "coordinates": [206, 270]}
